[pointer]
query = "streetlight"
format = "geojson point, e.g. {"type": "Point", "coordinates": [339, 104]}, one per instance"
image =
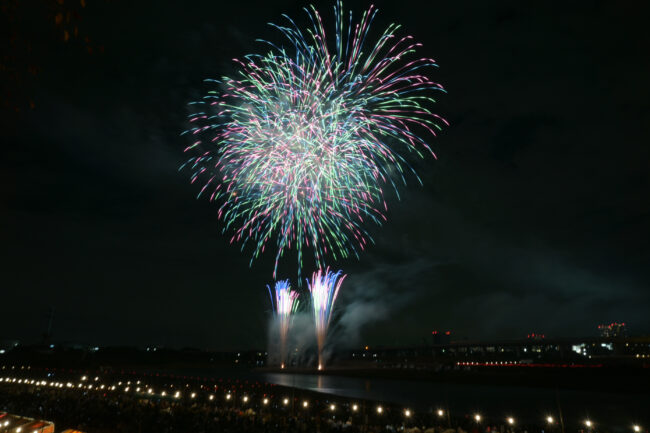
{"type": "Point", "coordinates": [550, 420]}
{"type": "Point", "coordinates": [440, 412]}
{"type": "Point", "coordinates": [355, 408]}
{"type": "Point", "coordinates": [285, 401]}
{"type": "Point", "coordinates": [407, 413]}
{"type": "Point", "coordinates": [589, 424]}
{"type": "Point", "coordinates": [477, 418]}
{"type": "Point", "coordinates": [380, 409]}
{"type": "Point", "coordinates": [332, 407]}
{"type": "Point", "coordinates": [510, 420]}
{"type": "Point", "coordinates": [305, 404]}
{"type": "Point", "coordinates": [636, 428]}
{"type": "Point", "coordinates": [265, 401]}
{"type": "Point", "coordinates": [245, 399]}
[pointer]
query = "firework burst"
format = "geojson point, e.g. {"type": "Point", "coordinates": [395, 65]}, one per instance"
{"type": "Point", "coordinates": [324, 288]}
{"type": "Point", "coordinates": [298, 146]}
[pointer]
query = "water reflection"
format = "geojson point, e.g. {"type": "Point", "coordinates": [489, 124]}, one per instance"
{"type": "Point", "coordinates": [526, 403]}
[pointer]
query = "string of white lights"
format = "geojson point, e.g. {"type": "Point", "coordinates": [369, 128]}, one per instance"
{"type": "Point", "coordinates": [145, 390]}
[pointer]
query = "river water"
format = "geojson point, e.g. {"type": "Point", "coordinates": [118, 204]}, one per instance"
{"type": "Point", "coordinates": [496, 402]}
{"type": "Point", "coordinates": [617, 411]}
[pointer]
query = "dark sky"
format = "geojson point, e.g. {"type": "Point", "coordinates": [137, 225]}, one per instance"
{"type": "Point", "coordinates": [535, 218]}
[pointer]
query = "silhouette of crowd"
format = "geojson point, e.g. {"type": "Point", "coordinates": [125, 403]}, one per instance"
{"type": "Point", "coordinates": [249, 408]}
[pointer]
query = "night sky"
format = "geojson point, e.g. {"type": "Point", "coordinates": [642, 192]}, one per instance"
{"type": "Point", "coordinates": [535, 217]}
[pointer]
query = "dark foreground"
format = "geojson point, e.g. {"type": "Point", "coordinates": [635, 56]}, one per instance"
{"type": "Point", "coordinates": [163, 403]}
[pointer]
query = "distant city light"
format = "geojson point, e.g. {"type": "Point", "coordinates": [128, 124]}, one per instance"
{"type": "Point", "coordinates": [332, 407]}
{"type": "Point", "coordinates": [477, 418]}
{"type": "Point", "coordinates": [407, 413]}
{"type": "Point", "coordinates": [636, 428]}
{"type": "Point", "coordinates": [355, 407]}
{"type": "Point", "coordinates": [380, 409]}
{"type": "Point", "coordinates": [440, 412]}
{"type": "Point", "coordinates": [588, 423]}
{"type": "Point", "coordinates": [305, 403]}
{"type": "Point", "coordinates": [285, 401]}
{"type": "Point", "coordinates": [510, 420]}
{"type": "Point", "coordinates": [265, 401]}
{"type": "Point", "coordinates": [550, 420]}
{"type": "Point", "coordinates": [245, 399]}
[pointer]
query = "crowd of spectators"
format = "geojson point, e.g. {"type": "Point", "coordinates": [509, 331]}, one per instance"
{"type": "Point", "coordinates": [249, 408]}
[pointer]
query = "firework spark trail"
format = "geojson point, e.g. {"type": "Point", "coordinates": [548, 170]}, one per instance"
{"type": "Point", "coordinates": [284, 302]}
{"type": "Point", "coordinates": [324, 288]}
{"type": "Point", "coordinates": [298, 146]}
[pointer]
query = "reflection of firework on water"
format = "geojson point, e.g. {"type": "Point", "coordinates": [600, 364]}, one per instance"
{"type": "Point", "coordinates": [298, 147]}
{"type": "Point", "coordinates": [324, 288]}
{"type": "Point", "coordinates": [285, 302]}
